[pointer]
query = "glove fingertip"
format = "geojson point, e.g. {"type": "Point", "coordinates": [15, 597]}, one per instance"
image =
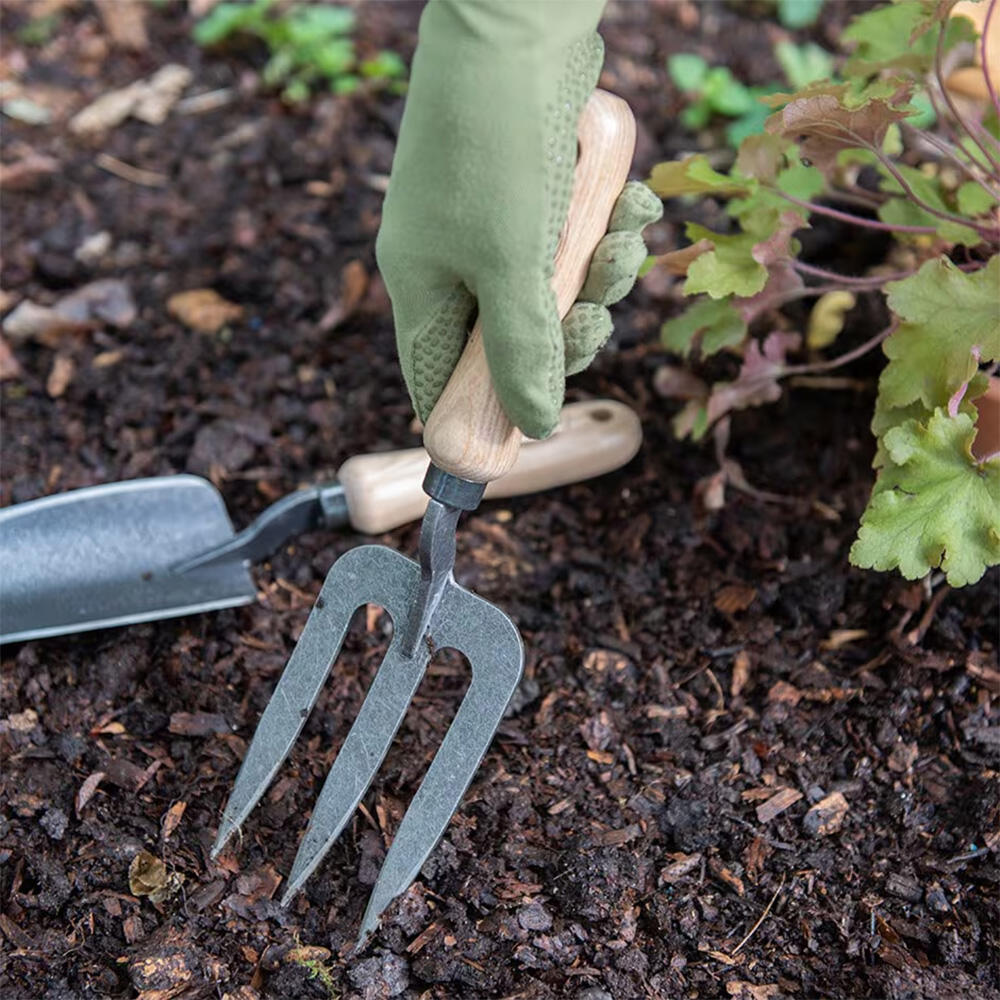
{"type": "Point", "coordinates": [637, 207]}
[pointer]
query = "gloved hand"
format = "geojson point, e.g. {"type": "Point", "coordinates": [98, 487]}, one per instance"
{"type": "Point", "coordinates": [479, 192]}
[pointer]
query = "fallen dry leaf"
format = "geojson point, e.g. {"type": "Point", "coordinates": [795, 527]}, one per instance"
{"type": "Point", "coordinates": [203, 310]}
{"type": "Point", "coordinates": [353, 285]}
{"type": "Point", "coordinates": [148, 876]}
{"type": "Point", "coordinates": [63, 370]}
{"type": "Point", "coordinates": [826, 816]}
{"type": "Point", "coordinates": [172, 818]}
{"type": "Point", "coordinates": [87, 790]}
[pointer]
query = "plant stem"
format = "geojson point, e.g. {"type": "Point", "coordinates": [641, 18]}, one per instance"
{"type": "Point", "coordinates": [990, 11]}
{"type": "Point", "coordinates": [843, 359]}
{"type": "Point", "coordinates": [973, 128]}
{"type": "Point", "coordinates": [951, 153]}
{"type": "Point", "coordinates": [855, 220]}
{"type": "Point", "coordinates": [875, 281]}
{"type": "Point", "coordinates": [986, 232]}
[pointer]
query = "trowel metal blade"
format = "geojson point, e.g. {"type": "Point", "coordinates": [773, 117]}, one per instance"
{"type": "Point", "coordinates": [101, 556]}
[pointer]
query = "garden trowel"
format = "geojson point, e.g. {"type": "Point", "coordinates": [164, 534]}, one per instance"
{"type": "Point", "coordinates": [471, 443]}
{"type": "Point", "coordinates": [149, 549]}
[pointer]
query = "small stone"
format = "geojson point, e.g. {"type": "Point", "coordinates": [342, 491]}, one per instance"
{"type": "Point", "coordinates": [594, 993]}
{"type": "Point", "coordinates": [54, 823]}
{"type": "Point", "coordinates": [904, 887]}
{"type": "Point", "coordinates": [534, 917]}
{"type": "Point", "coordinates": [937, 900]}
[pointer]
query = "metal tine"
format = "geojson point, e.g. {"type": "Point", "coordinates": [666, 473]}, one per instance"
{"type": "Point", "coordinates": [360, 757]}
{"type": "Point", "coordinates": [353, 581]}
{"type": "Point", "coordinates": [496, 654]}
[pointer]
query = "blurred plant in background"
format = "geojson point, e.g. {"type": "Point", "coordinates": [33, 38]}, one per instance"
{"type": "Point", "coordinates": [309, 46]}
{"type": "Point", "coordinates": [860, 150]}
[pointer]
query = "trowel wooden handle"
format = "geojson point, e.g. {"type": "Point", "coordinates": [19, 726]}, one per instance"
{"type": "Point", "coordinates": [468, 433]}
{"type": "Point", "coordinates": [384, 490]}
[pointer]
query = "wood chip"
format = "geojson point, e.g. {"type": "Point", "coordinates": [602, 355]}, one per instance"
{"type": "Point", "coordinates": [826, 816]}
{"type": "Point", "coordinates": [63, 370]}
{"type": "Point", "coordinates": [203, 310]}
{"type": "Point", "coordinates": [125, 22]}
{"type": "Point", "coordinates": [683, 865]}
{"type": "Point", "coordinates": [751, 991]}
{"type": "Point", "coordinates": [10, 367]}
{"type": "Point", "coordinates": [741, 673]}
{"type": "Point", "coordinates": [423, 938]}
{"type": "Point", "coordinates": [777, 804]}
{"type": "Point", "coordinates": [735, 597]}
{"type": "Point", "coordinates": [198, 724]}
{"type": "Point", "coordinates": [842, 637]}
{"type": "Point", "coordinates": [784, 692]}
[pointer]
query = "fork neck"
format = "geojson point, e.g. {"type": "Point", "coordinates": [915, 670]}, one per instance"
{"type": "Point", "coordinates": [451, 490]}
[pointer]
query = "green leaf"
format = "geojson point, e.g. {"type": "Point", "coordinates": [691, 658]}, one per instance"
{"type": "Point", "coordinates": [319, 22]}
{"type": "Point", "coordinates": [950, 302]}
{"type": "Point", "coordinates": [801, 181]}
{"type": "Point", "coordinates": [951, 323]}
{"type": "Point", "coordinates": [752, 123]}
{"type": "Point", "coordinates": [933, 505]}
{"type": "Point", "coordinates": [693, 175]}
{"type": "Point", "coordinates": [687, 70]}
{"type": "Point", "coordinates": [728, 269]}
{"type": "Point", "coordinates": [802, 64]}
{"type": "Point", "coordinates": [799, 13]}
{"type": "Point", "coordinates": [715, 321]}
{"type": "Point", "coordinates": [902, 36]}
{"type": "Point", "coordinates": [226, 19]}
{"type": "Point", "coordinates": [974, 200]}
{"type": "Point", "coordinates": [725, 94]}
{"type": "Point", "coordinates": [333, 58]}
{"type": "Point", "coordinates": [387, 65]}
{"type": "Point", "coordinates": [903, 211]}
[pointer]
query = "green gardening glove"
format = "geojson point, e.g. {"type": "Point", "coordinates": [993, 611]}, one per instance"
{"type": "Point", "coordinates": [479, 192]}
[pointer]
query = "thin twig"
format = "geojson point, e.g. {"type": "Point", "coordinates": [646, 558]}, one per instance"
{"type": "Point", "coordinates": [761, 919]}
{"type": "Point", "coordinates": [127, 172]}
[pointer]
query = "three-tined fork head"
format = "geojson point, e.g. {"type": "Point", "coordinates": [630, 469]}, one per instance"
{"type": "Point", "coordinates": [374, 574]}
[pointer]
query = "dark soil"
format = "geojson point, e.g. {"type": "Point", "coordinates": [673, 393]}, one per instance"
{"type": "Point", "coordinates": [622, 838]}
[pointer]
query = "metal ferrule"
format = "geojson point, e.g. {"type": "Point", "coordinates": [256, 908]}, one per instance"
{"type": "Point", "coordinates": [451, 490]}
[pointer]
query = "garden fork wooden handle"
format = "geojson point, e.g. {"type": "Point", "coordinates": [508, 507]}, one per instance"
{"type": "Point", "coordinates": [468, 434]}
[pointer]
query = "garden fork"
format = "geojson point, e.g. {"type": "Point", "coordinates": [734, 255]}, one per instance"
{"type": "Point", "coordinates": [471, 443]}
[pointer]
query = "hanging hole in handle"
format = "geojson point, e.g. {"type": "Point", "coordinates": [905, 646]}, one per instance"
{"type": "Point", "coordinates": [602, 416]}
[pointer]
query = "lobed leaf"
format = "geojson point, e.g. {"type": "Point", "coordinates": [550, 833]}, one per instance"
{"type": "Point", "coordinates": [711, 324]}
{"type": "Point", "coordinates": [823, 122]}
{"type": "Point", "coordinates": [933, 505]}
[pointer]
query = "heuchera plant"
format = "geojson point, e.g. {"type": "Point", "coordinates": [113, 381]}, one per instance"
{"type": "Point", "coordinates": [853, 149]}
